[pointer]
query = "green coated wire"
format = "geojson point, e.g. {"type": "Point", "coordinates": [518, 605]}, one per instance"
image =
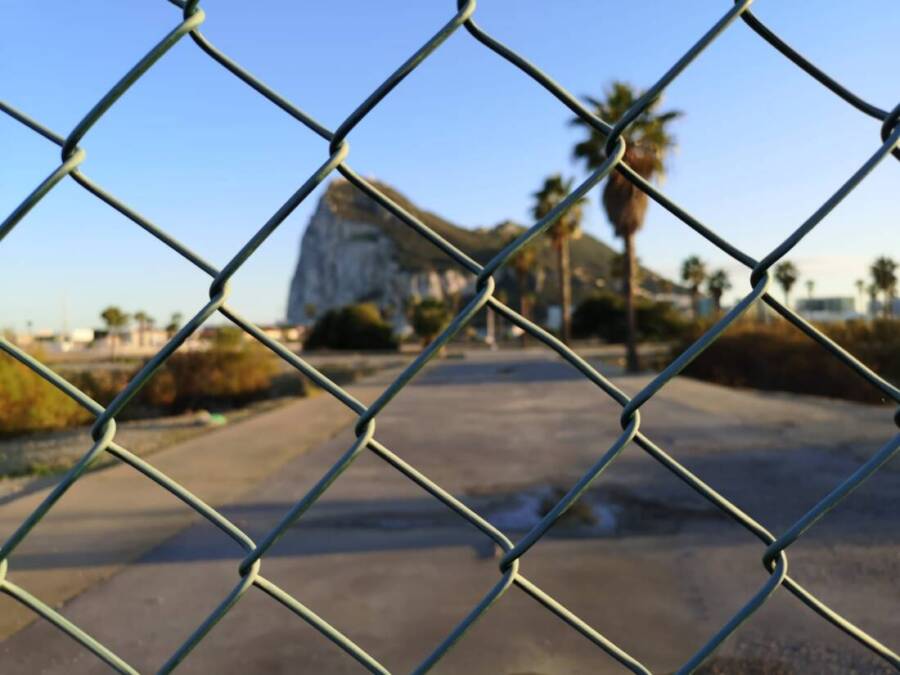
{"type": "Point", "coordinates": [775, 560]}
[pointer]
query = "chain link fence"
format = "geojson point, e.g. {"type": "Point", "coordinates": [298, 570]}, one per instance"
{"type": "Point", "coordinates": [774, 559]}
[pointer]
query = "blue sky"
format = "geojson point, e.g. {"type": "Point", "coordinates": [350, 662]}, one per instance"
{"type": "Point", "coordinates": [467, 135]}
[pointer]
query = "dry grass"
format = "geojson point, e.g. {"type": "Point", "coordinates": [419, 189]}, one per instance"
{"type": "Point", "coordinates": [780, 357]}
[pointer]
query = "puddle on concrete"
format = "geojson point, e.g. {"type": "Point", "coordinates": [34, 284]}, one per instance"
{"type": "Point", "coordinates": [599, 512]}
{"type": "Point", "coordinates": [520, 511]}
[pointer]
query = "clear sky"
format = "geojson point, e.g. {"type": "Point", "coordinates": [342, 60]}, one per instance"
{"type": "Point", "coordinates": [466, 135]}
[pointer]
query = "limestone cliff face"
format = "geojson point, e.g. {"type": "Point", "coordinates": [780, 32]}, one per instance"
{"type": "Point", "coordinates": [354, 250]}
{"type": "Point", "coordinates": [348, 255]}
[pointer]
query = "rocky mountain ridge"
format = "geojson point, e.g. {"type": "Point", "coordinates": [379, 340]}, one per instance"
{"type": "Point", "coordinates": [354, 250]}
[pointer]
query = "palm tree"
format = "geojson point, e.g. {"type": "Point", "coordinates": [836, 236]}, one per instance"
{"type": "Point", "coordinates": [522, 264]}
{"type": "Point", "coordinates": [174, 324]}
{"type": "Point", "coordinates": [648, 141]}
{"type": "Point", "coordinates": [884, 276]}
{"type": "Point", "coordinates": [786, 276]}
{"type": "Point", "coordinates": [717, 284]}
{"type": "Point", "coordinates": [810, 287]}
{"type": "Point", "coordinates": [143, 321]}
{"type": "Point", "coordinates": [566, 227]}
{"type": "Point", "coordinates": [115, 319]}
{"type": "Point", "coordinates": [617, 271]}
{"type": "Point", "coordinates": [872, 290]}
{"type": "Point", "coordinates": [693, 273]}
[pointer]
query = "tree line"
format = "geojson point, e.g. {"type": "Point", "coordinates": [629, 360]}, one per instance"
{"type": "Point", "coordinates": [116, 321]}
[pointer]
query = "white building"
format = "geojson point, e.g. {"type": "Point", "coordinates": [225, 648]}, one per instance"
{"type": "Point", "coordinates": [828, 309]}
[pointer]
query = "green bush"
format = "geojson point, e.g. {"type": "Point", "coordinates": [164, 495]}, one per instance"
{"type": "Point", "coordinates": [779, 357]}
{"type": "Point", "coordinates": [602, 315]}
{"type": "Point", "coordinates": [354, 327]}
{"type": "Point", "coordinates": [429, 318]}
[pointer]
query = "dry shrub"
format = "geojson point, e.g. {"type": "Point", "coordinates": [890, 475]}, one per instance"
{"type": "Point", "coordinates": [226, 375]}
{"type": "Point", "coordinates": [779, 357]}
{"type": "Point", "coordinates": [222, 376]}
{"type": "Point", "coordinates": [29, 403]}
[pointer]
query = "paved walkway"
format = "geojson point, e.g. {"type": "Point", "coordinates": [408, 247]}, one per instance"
{"type": "Point", "coordinates": [658, 572]}
{"type": "Point", "coordinates": [112, 517]}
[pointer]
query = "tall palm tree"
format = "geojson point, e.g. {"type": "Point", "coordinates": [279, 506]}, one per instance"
{"type": "Point", "coordinates": [115, 320]}
{"type": "Point", "coordinates": [810, 287]}
{"type": "Point", "coordinates": [693, 273]}
{"type": "Point", "coordinates": [522, 264]}
{"type": "Point", "coordinates": [617, 271]}
{"type": "Point", "coordinates": [143, 321]}
{"type": "Point", "coordinates": [717, 284]}
{"type": "Point", "coordinates": [872, 290]}
{"type": "Point", "coordinates": [786, 275]}
{"type": "Point", "coordinates": [884, 276]}
{"type": "Point", "coordinates": [648, 142]}
{"type": "Point", "coordinates": [174, 324]}
{"type": "Point", "coordinates": [566, 227]}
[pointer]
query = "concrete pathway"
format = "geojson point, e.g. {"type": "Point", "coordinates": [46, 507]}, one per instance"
{"type": "Point", "coordinates": [111, 517]}
{"type": "Point", "coordinates": [657, 571]}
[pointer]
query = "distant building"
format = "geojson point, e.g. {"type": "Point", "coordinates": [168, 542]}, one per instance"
{"type": "Point", "coordinates": [78, 339]}
{"type": "Point", "coordinates": [876, 308]}
{"type": "Point", "coordinates": [131, 340]}
{"type": "Point", "coordinates": [82, 336]}
{"type": "Point", "coordinates": [827, 309]}
{"type": "Point", "coordinates": [50, 340]}
{"type": "Point", "coordinates": [284, 332]}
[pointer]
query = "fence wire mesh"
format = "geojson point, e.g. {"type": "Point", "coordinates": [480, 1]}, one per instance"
{"type": "Point", "coordinates": [103, 432]}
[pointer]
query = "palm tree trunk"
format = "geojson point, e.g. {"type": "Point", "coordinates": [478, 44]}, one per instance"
{"type": "Point", "coordinates": [565, 289]}
{"type": "Point", "coordinates": [525, 309]}
{"type": "Point", "coordinates": [522, 282]}
{"type": "Point", "coordinates": [631, 355]}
